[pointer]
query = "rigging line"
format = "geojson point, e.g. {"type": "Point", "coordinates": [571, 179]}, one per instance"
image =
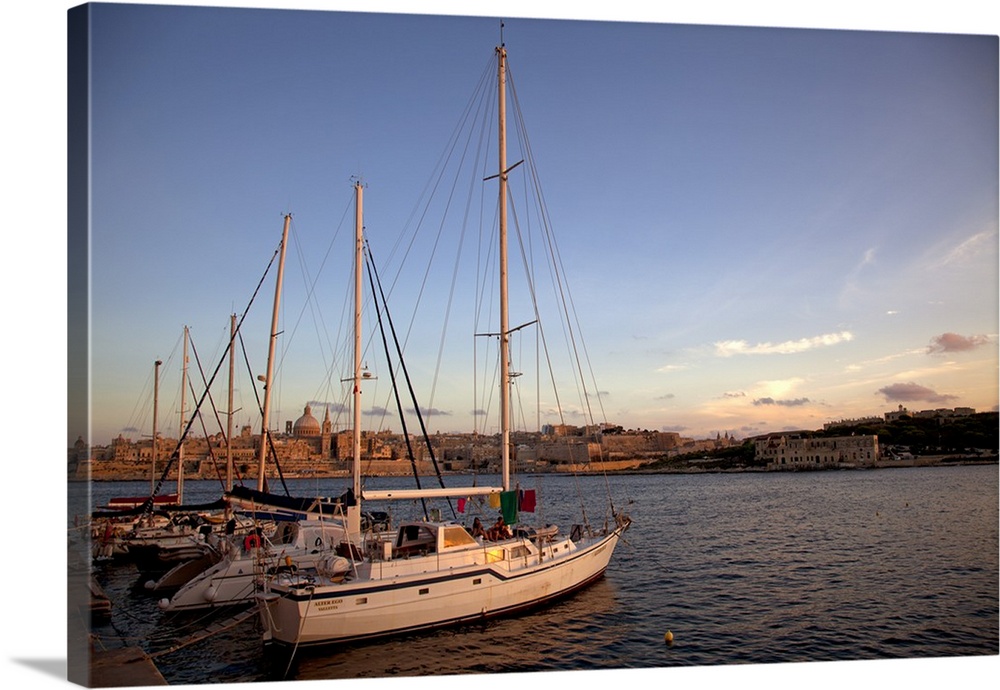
{"type": "Point", "coordinates": [399, 404]}
{"type": "Point", "coordinates": [166, 366]}
{"type": "Point", "coordinates": [487, 289]}
{"type": "Point", "coordinates": [557, 262]}
{"type": "Point", "coordinates": [373, 275]}
{"type": "Point", "coordinates": [541, 328]}
{"type": "Point", "coordinates": [136, 418]}
{"type": "Point", "coordinates": [395, 391]}
{"type": "Point", "coordinates": [260, 408]}
{"type": "Point", "coordinates": [307, 303]}
{"type": "Point", "coordinates": [437, 241]}
{"type": "Point", "coordinates": [211, 453]}
{"type": "Point", "coordinates": [451, 287]}
{"type": "Point", "coordinates": [438, 171]}
{"type": "Point", "coordinates": [147, 507]}
{"type": "Point", "coordinates": [310, 299]}
{"type": "Point", "coordinates": [559, 273]}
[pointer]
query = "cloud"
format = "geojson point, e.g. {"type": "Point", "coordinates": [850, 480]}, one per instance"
{"type": "Point", "coordinates": [851, 288]}
{"type": "Point", "coordinates": [797, 402]}
{"type": "Point", "coordinates": [972, 247]}
{"type": "Point", "coordinates": [911, 392]}
{"type": "Point", "coordinates": [678, 428]}
{"type": "Point", "coordinates": [668, 368]}
{"type": "Point", "coordinates": [666, 396]}
{"type": "Point", "coordinates": [332, 406]}
{"type": "Point", "coordinates": [952, 342]}
{"type": "Point", "coordinates": [429, 412]}
{"type": "Point", "coordinates": [858, 366]}
{"type": "Point", "coordinates": [728, 348]}
{"type": "Point", "coordinates": [734, 394]}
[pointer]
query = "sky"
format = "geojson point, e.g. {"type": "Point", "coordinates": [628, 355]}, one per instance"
{"type": "Point", "coordinates": [761, 228]}
{"type": "Point", "coordinates": [790, 227]}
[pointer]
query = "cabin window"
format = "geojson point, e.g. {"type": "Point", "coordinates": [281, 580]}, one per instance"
{"type": "Point", "coordinates": [414, 538]}
{"type": "Point", "coordinates": [424, 590]}
{"type": "Point", "coordinates": [457, 536]}
{"type": "Point", "coordinates": [477, 581]}
{"type": "Point", "coordinates": [360, 600]}
{"type": "Point", "coordinates": [519, 552]}
{"type": "Point", "coordinates": [408, 533]}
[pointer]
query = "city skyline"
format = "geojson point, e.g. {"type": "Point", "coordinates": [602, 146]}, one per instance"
{"type": "Point", "coordinates": [764, 228]}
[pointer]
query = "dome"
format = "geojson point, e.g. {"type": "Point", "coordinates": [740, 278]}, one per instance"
{"type": "Point", "coordinates": [306, 425]}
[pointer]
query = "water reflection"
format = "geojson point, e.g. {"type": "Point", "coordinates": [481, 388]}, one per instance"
{"type": "Point", "coordinates": [563, 636]}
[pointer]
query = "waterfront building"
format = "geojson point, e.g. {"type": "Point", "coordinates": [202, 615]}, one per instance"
{"type": "Point", "coordinates": [941, 414]}
{"type": "Point", "coordinates": [796, 451]}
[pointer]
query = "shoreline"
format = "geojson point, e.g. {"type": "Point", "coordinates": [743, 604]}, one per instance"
{"type": "Point", "coordinates": [919, 461]}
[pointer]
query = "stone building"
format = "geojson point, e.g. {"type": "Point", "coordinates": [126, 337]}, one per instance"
{"type": "Point", "coordinates": [793, 451]}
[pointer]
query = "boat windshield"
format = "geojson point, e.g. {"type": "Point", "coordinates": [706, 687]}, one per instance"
{"type": "Point", "coordinates": [456, 535]}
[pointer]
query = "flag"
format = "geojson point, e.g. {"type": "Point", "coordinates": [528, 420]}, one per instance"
{"type": "Point", "coordinates": [508, 506]}
{"type": "Point", "coordinates": [527, 502]}
{"type": "Point", "coordinates": [461, 505]}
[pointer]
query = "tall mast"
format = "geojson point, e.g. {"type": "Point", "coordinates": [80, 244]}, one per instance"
{"type": "Point", "coordinates": [504, 328]}
{"type": "Point", "coordinates": [156, 402]}
{"type": "Point", "coordinates": [268, 379]}
{"type": "Point", "coordinates": [229, 416]}
{"type": "Point", "coordinates": [358, 258]}
{"type": "Point", "coordinates": [180, 449]}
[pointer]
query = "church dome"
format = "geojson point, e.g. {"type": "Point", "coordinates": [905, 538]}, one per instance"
{"type": "Point", "coordinates": [306, 425]}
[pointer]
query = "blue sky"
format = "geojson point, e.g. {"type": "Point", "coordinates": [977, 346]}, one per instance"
{"type": "Point", "coordinates": [763, 228]}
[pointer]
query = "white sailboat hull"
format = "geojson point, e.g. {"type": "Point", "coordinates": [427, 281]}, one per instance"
{"type": "Point", "coordinates": [397, 596]}
{"type": "Point", "coordinates": [234, 580]}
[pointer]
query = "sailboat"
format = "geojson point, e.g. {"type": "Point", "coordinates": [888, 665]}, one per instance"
{"type": "Point", "coordinates": [158, 547]}
{"type": "Point", "coordinates": [307, 530]}
{"type": "Point", "coordinates": [432, 573]}
{"type": "Point", "coordinates": [123, 528]}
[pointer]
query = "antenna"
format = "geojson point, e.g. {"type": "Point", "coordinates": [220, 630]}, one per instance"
{"type": "Point", "coordinates": [501, 34]}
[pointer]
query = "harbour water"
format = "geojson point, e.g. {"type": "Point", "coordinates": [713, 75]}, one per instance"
{"type": "Point", "coordinates": [752, 568]}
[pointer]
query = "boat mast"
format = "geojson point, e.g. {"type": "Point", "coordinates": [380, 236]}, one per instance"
{"type": "Point", "coordinates": [504, 328]}
{"type": "Point", "coordinates": [265, 413]}
{"type": "Point", "coordinates": [229, 416]}
{"type": "Point", "coordinates": [358, 258]}
{"type": "Point", "coordinates": [180, 449]}
{"type": "Point", "coordinates": [156, 400]}
{"type": "Point", "coordinates": [466, 491]}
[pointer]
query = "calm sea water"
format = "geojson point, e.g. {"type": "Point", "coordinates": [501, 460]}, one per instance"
{"type": "Point", "coordinates": [741, 568]}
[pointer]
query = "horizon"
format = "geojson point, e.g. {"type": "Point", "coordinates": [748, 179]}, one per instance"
{"type": "Point", "coordinates": [343, 430]}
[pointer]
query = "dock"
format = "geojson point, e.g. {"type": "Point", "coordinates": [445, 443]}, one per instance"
{"type": "Point", "coordinates": [126, 666]}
